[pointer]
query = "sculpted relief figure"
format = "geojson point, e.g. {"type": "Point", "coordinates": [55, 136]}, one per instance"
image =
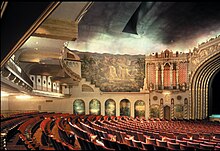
{"type": "Point", "coordinates": [112, 73]}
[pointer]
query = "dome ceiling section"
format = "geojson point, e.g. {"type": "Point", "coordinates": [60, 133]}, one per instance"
{"type": "Point", "coordinates": [39, 50]}
{"type": "Point", "coordinates": [47, 70]}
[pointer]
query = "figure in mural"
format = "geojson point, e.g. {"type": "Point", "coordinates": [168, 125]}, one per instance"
{"type": "Point", "coordinates": [110, 107]}
{"type": "Point", "coordinates": [125, 107]}
{"type": "Point", "coordinates": [112, 73]}
{"type": "Point", "coordinates": [95, 107]}
{"type": "Point", "coordinates": [78, 107]}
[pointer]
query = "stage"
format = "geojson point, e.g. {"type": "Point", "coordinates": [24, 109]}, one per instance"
{"type": "Point", "coordinates": [214, 117]}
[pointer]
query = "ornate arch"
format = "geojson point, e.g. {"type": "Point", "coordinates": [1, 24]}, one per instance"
{"type": "Point", "coordinates": [198, 104]}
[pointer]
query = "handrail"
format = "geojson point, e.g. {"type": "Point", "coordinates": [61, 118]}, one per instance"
{"type": "Point", "coordinates": [18, 72]}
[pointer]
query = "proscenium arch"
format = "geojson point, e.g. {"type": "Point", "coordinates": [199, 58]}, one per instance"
{"type": "Point", "coordinates": [213, 81]}
{"type": "Point", "coordinates": [198, 104]}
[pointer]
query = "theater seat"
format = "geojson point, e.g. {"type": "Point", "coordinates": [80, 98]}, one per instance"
{"type": "Point", "coordinates": [206, 147]}
{"type": "Point", "coordinates": [147, 146]}
{"type": "Point", "coordinates": [185, 147]}
{"type": "Point", "coordinates": [174, 146]}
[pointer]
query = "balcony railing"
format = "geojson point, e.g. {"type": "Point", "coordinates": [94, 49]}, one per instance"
{"type": "Point", "coordinates": [18, 72]}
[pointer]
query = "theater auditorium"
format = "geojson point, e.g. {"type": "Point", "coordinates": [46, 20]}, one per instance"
{"type": "Point", "coordinates": [79, 75]}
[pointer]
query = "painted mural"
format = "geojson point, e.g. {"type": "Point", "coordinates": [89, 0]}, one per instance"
{"type": "Point", "coordinates": [139, 108]}
{"type": "Point", "coordinates": [154, 111]}
{"type": "Point", "coordinates": [178, 111]}
{"type": "Point", "coordinates": [113, 73]}
{"type": "Point", "coordinates": [110, 107]}
{"type": "Point", "coordinates": [95, 107]}
{"type": "Point", "coordinates": [78, 107]}
{"type": "Point", "coordinates": [125, 107]}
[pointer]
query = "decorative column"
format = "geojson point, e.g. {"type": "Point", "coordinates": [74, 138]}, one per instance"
{"type": "Point", "coordinates": [177, 75]}
{"type": "Point", "coordinates": [156, 86]}
{"type": "Point", "coordinates": [87, 107]}
{"type": "Point", "coordinates": [161, 109]}
{"type": "Point", "coordinates": [171, 76]}
{"type": "Point", "coordinates": [102, 108]}
{"type": "Point", "coordinates": [132, 108]}
{"type": "Point", "coordinates": [148, 74]}
{"type": "Point", "coordinates": [172, 108]}
{"type": "Point", "coordinates": [162, 68]}
{"type": "Point", "coordinates": [117, 103]}
{"type": "Point", "coordinates": [185, 107]}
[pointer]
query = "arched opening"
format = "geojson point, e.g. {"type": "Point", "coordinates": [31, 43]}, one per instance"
{"type": "Point", "coordinates": [139, 108]}
{"type": "Point", "coordinates": [167, 112]}
{"type": "Point", "coordinates": [79, 107]}
{"type": "Point", "coordinates": [95, 107]}
{"type": "Point", "coordinates": [125, 107]}
{"type": "Point", "coordinates": [166, 76]}
{"type": "Point", "coordinates": [214, 95]}
{"type": "Point", "coordinates": [110, 107]}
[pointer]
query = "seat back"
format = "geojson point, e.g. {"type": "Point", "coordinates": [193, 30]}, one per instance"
{"type": "Point", "coordinates": [151, 141]}
{"type": "Point", "coordinates": [147, 146]}
{"type": "Point", "coordinates": [205, 146]}
{"type": "Point", "coordinates": [185, 147]}
{"type": "Point", "coordinates": [181, 142]}
{"type": "Point", "coordinates": [175, 146]}
{"type": "Point", "coordinates": [137, 143]}
{"type": "Point", "coordinates": [196, 145]}
{"type": "Point", "coordinates": [161, 143]}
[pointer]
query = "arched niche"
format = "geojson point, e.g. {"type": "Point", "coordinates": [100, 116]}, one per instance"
{"type": "Point", "coordinates": [178, 111]}
{"type": "Point", "coordinates": [167, 112]}
{"type": "Point", "coordinates": [110, 107]}
{"type": "Point", "coordinates": [78, 107]}
{"type": "Point", "coordinates": [125, 106]}
{"type": "Point", "coordinates": [139, 108]}
{"type": "Point", "coordinates": [154, 111]}
{"type": "Point", "coordinates": [95, 107]}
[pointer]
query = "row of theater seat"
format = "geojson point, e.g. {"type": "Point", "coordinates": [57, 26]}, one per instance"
{"type": "Point", "coordinates": [113, 133]}
{"type": "Point", "coordinates": [168, 143]}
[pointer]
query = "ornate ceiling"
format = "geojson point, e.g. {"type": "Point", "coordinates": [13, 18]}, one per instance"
{"type": "Point", "coordinates": [117, 28]}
